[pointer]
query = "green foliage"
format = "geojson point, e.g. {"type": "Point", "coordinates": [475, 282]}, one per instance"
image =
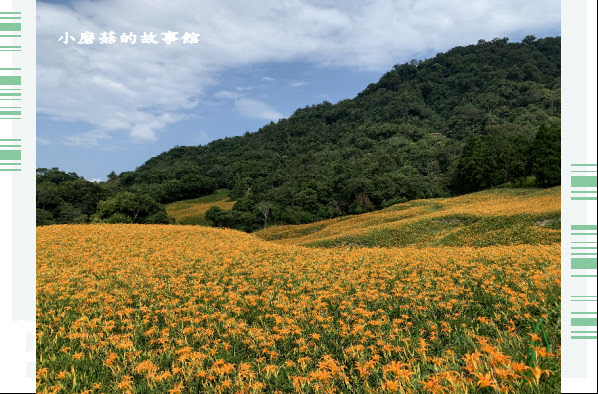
{"type": "Point", "coordinates": [547, 155]}
{"type": "Point", "coordinates": [65, 197]}
{"type": "Point", "coordinates": [194, 221]}
{"type": "Point", "coordinates": [43, 218]}
{"type": "Point", "coordinates": [531, 360]}
{"type": "Point", "coordinates": [218, 217]}
{"type": "Point", "coordinates": [68, 198]}
{"type": "Point", "coordinates": [127, 207]}
{"type": "Point", "coordinates": [158, 218]}
{"type": "Point", "coordinates": [498, 157]}
{"type": "Point", "coordinates": [118, 218]}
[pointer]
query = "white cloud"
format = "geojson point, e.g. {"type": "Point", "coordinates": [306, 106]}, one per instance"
{"type": "Point", "coordinates": [223, 94]}
{"type": "Point", "coordinates": [89, 138]}
{"type": "Point", "coordinates": [257, 109]}
{"type": "Point", "coordinates": [130, 88]}
{"type": "Point", "coordinates": [298, 84]}
{"type": "Point", "coordinates": [203, 137]}
{"type": "Point", "coordinates": [146, 126]}
{"type": "Point", "coordinates": [42, 141]}
{"type": "Point", "coordinates": [249, 107]}
{"type": "Point", "coordinates": [143, 132]}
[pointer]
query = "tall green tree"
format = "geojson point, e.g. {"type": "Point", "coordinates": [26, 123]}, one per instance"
{"type": "Point", "coordinates": [546, 155]}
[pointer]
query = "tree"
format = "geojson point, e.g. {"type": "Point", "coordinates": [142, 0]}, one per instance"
{"type": "Point", "coordinates": [43, 218]}
{"type": "Point", "coordinates": [478, 168]}
{"type": "Point", "coordinates": [546, 155]}
{"type": "Point", "coordinates": [510, 148]}
{"type": "Point", "coordinates": [230, 219]}
{"type": "Point", "coordinates": [363, 203]}
{"type": "Point", "coordinates": [528, 39]}
{"type": "Point", "coordinates": [264, 207]}
{"type": "Point", "coordinates": [138, 208]}
{"type": "Point", "coordinates": [54, 175]}
{"type": "Point", "coordinates": [112, 176]}
{"type": "Point", "coordinates": [83, 195]}
{"type": "Point", "coordinates": [66, 197]}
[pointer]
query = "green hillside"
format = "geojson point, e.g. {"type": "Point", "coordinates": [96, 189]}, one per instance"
{"type": "Point", "coordinates": [465, 120]}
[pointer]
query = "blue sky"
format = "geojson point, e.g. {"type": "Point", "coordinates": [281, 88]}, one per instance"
{"type": "Point", "coordinates": [104, 108]}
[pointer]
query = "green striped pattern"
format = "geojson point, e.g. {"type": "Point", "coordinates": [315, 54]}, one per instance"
{"type": "Point", "coordinates": [584, 298]}
{"type": "Point", "coordinates": [13, 80]}
{"type": "Point", "coordinates": [10, 27]}
{"type": "Point", "coordinates": [10, 94]}
{"type": "Point", "coordinates": [10, 112]}
{"type": "Point", "coordinates": [10, 155]}
{"type": "Point", "coordinates": [583, 263]}
{"type": "Point", "coordinates": [583, 183]}
{"type": "Point", "coordinates": [10, 91]}
{"type": "Point", "coordinates": [584, 325]}
{"type": "Point", "coordinates": [583, 250]}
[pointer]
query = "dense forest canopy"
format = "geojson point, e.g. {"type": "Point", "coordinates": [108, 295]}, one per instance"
{"type": "Point", "coordinates": [468, 119]}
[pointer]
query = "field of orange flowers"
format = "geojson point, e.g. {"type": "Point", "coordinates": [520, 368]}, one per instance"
{"type": "Point", "coordinates": [189, 309]}
{"type": "Point", "coordinates": [490, 217]}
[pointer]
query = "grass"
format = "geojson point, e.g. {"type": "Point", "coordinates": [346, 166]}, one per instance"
{"type": "Point", "coordinates": [193, 211]}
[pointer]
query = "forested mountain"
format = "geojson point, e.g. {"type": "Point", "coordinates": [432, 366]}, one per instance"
{"type": "Point", "coordinates": [464, 120]}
